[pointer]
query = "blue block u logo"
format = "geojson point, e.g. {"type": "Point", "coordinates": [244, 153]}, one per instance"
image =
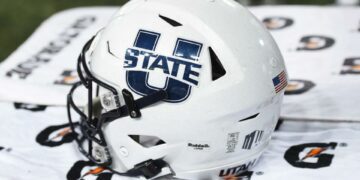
{"type": "Point", "coordinates": [178, 91]}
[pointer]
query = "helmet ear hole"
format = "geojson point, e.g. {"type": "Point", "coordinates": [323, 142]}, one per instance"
{"type": "Point", "coordinates": [217, 69]}
{"type": "Point", "coordinates": [250, 117]}
{"type": "Point", "coordinates": [147, 141]}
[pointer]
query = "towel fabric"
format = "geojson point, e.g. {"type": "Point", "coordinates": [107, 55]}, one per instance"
{"type": "Point", "coordinates": [320, 47]}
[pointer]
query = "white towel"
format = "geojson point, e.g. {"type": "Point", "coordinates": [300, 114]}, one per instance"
{"type": "Point", "coordinates": [30, 148]}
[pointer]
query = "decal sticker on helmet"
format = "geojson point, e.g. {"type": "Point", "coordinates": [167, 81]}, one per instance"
{"type": "Point", "coordinates": [242, 176]}
{"type": "Point", "coordinates": [232, 141]}
{"type": "Point", "coordinates": [237, 170]}
{"type": "Point", "coordinates": [280, 82]}
{"type": "Point", "coordinates": [253, 139]}
{"type": "Point", "coordinates": [142, 61]}
{"type": "Point", "coordinates": [198, 146]}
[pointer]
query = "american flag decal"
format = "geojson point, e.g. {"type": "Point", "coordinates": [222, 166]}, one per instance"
{"type": "Point", "coordinates": [280, 82]}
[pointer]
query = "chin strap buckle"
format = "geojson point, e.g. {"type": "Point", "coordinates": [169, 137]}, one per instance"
{"type": "Point", "coordinates": [149, 168]}
{"type": "Point", "coordinates": [133, 109]}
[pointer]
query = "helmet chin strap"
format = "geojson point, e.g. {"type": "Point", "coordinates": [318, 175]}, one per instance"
{"type": "Point", "coordinates": [166, 174]}
{"type": "Point", "coordinates": [150, 169]}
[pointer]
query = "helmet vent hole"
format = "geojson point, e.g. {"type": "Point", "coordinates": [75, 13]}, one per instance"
{"type": "Point", "coordinates": [170, 21]}
{"type": "Point", "coordinates": [147, 141]}
{"type": "Point", "coordinates": [217, 69]}
{"type": "Point", "coordinates": [250, 117]}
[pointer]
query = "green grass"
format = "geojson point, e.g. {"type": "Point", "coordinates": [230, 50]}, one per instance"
{"type": "Point", "coordinates": [19, 18]}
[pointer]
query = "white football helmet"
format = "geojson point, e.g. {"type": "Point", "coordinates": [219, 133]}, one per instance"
{"type": "Point", "coordinates": [189, 89]}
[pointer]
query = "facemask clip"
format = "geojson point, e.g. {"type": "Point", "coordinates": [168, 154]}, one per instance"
{"type": "Point", "coordinates": [133, 109]}
{"type": "Point", "coordinates": [108, 101]}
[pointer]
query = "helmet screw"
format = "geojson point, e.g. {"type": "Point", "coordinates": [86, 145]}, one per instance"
{"type": "Point", "coordinates": [124, 151]}
{"type": "Point", "coordinates": [273, 62]}
{"type": "Point", "coordinates": [107, 101]}
{"type": "Point", "coordinates": [133, 113]}
{"type": "Point", "coordinates": [98, 153]}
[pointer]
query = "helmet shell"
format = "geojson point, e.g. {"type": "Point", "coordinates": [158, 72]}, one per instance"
{"type": "Point", "coordinates": [165, 44]}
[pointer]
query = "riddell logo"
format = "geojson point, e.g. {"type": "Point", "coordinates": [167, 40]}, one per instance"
{"type": "Point", "coordinates": [314, 43]}
{"type": "Point", "coordinates": [312, 155]}
{"type": "Point", "coordinates": [276, 23]}
{"type": "Point", "coordinates": [236, 171]}
{"type": "Point", "coordinates": [199, 146]}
